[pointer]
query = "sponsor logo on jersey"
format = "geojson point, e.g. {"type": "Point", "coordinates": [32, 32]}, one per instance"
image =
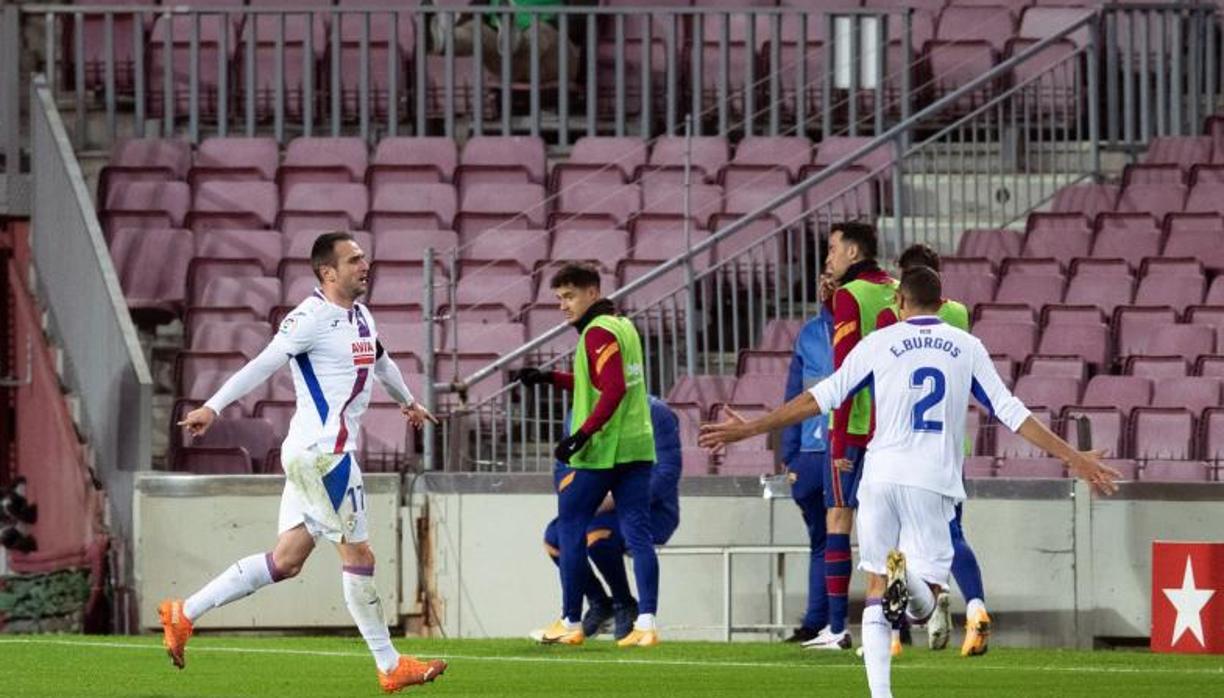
{"type": "Point", "coordinates": [363, 352]}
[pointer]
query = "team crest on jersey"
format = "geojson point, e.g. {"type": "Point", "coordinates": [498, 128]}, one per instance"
{"type": "Point", "coordinates": [363, 352]}
{"type": "Point", "coordinates": [288, 324]}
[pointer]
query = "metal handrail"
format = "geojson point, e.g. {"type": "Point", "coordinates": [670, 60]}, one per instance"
{"type": "Point", "coordinates": [883, 140]}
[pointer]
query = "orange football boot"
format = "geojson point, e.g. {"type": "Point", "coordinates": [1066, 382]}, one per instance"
{"type": "Point", "coordinates": [410, 672]}
{"type": "Point", "coordinates": [176, 627]}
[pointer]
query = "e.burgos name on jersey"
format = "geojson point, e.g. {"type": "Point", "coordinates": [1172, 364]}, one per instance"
{"type": "Point", "coordinates": [938, 343]}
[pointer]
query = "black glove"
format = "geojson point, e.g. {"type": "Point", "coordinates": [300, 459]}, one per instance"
{"type": "Point", "coordinates": [571, 445]}
{"type": "Point", "coordinates": [532, 376]}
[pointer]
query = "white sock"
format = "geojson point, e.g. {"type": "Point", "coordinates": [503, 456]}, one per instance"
{"type": "Point", "coordinates": [877, 650]}
{"type": "Point", "coordinates": [240, 579]}
{"type": "Point", "coordinates": [571, 624]}
{"type": "Point", "coordinates": [974, 606]}
{"type": "Point", "coordinates": [895, 637]}
{"type": "Point", "coordinates": [645, 621]}
{"type": "Point", "coordinates": [361, 597]}
{"type": "Point", "coordinates": [922, 599]}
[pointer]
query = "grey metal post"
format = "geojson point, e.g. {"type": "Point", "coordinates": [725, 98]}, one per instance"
{"type": "Point", "coordinates": [562, 79]}
{"type": "Point", "coordinates": [801, 81]}
{"type": "Point", "coordinates": [193, 80]}
{"type": "Point", "coordinates": [1094, 102]}
{"type": "Point", "coordinates": [278, 70]}
{"type": "Point", "coordinates": [898, 191]}
{"type": "Point", "coordinates": [881, 70]}
{"type": "Point", "coordinates": [430, 360]}
{"type": "Point", "coordinates": [671, 73]}
{"type": "Point", "coordinates": [750, 77]}
{"type": "Point", "coordinates": [591, 91]}
{"type": "Point", "coordinates": [646, 85]}
{"type": "Point", "coordinates": [690, 293]}
{"type": "Point", "coordinates": [10, 96]}
{"type": "Point", "coordinates": [222, 78]}
{"type": "Point", "coordinates": [826, 112]}
{"type": "Point", "coordinates": [618, 27]}
{"type": "Point", "coordinates": [1112, 97]}
{"type": "Point", "coordinates": [696, 82]}
{"type": "Point", "coordinates": [1177, 74]}
{"type": "Point", "coordinates": [534, 76]}
{"type": "Point", "coordinates": [363, 78]}
{"type": "Point", "coordinates": [108, 49]}
{"type": "Point", "coordinates": [724, 61]}
{"type": "Point", "coordinates": [308, 83]}
{"type": "Point", "coordinates": [478, 80]}
{"type": "Point", "coordinates": [505, 27]}
{"type": "Point", "coordinates": [335, 76]}
{"type": "Point", "coordinates": [907, 47]}
{"type": "Point", "coordinates": [393, 68]}
{"type": "Point", "coordinates": [50, 69]}
{"type": "Point", "coordinates": [419, 87]}
{"type": "Point", "coordinates": [775, 60]}
{"type": "Point", "coordinates": [79, 57]}
{"type": "Point", "coordinates": [248, 61]}
{"type": "Point", "coordinates": [855, 66]}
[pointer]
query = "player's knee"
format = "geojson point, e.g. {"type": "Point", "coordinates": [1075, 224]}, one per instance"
{"type": "Point", "coordinates": [840, 520]}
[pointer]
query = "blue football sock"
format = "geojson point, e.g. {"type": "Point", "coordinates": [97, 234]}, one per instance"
{"type": "Point", "coordinates": [965, 566]}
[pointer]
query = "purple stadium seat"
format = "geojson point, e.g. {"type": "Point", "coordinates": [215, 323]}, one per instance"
{"type": "Point", "coordinates": [598, 206]}
{"type": "Point", "coordinates": [1066, 367]}
{"type": "Point", "coordinates": [1205, 197]}
{"type": "Point", "coordinates": [832, 149]}
{"type": "Point", "coordinates": [1049, 81]}
{"type": "Point", "coordinates": [1215, 294]}
{"type": "Point", "coordinates": [967, 265]}
{"type": "Point", "coordinates": [664, 289]}
{"type": "Point", "coordinates": [1107, 424]}
{"type": "Point", "coordinates": [972, 289]}
{"type": "Point", "coordinates": [252, 435]}
{"type": "Point", "coordinates": [278, 413]}
{"type": "Point", "coordinates": [1033, 467]}
{"type": "Point", "coordinates": [1127, 467]}
{"type": "Point", "coordinates": [1153, 174]}
{"type": "Point", "coordinates": [323, 206]}
{"type": "Point", "coordinates": [954, 64]}
{"type": "Point", "coordinates": [1034, 289]}
{"type": "Point", "coordinates": [152, 268]}
{"type": "Point", "coordinates": [1122, 392]}
{"type": "Point", "coordinates": [1061, 243]}
{"type": "Point", "coordinates": [747, 199]}
{"type": "Point", "coordinates": [1195, 394]}
{"type": "Point", "coordinates": [694, 462]}
{"type": "Point", "coordinates": [234, 159]}
{"type": "Point", "coordinates": [175, 33]}
{"type": "Point", "coordinates": [1210, 365]}
{"type": "Point", "coordinates": [386, 439]}
{"type": "Point", "coordinates": [1157, 368]}
{"type": "Point", "coordinates": [600, 160]}
{"type": "Point", "coordinates": [1187, 341]}
{"type": "Point", "coordinates": [487, 337]}
{"type": "Point", "coordinates": [259, 294]}
{"type": "Point", "coordinates": [486, 206]}
{"type": "Point", "coordinates": [246, 337]}
{"type": "Point", "coordinates": [1085, 199]}
{"type": "Point", "coordinates": [145, 204]}
{"type": "Point", "coordinates": [847, 195]}
{"type": "Point", "coordinates": [494, 282]}
{"type": "Point", "coordinates": [1212, 427]}
{"type": "Point", "coordinates": [1133, 325]}
{"type": "Point", "coordinates": [703, 390]}
{"type": "Point", "coordinates": [540, 318]}
{"type": "Point", "coordinates": [266, 28]}
{"type": "Point", "coordinates": [1182, 151]}
{"type": "Point", "coordinates": [993, 244]}
{"type": "Point", "coordinates": [415, 205]}
{"type": "Point", "coordinates": [234, 205]}
{"type": "Point", "coordinates": [667, 158]}
{"type": "Point", "coordinates": [1127, 236]}
{"type": "Point", "coordinates": [412, 159]}
{"type": "Point", "coordinates": [1004, 312]}
{"type": "Point", "coordinates": [203, 270]}
{"type": "Point", "coordinates": [1208, 316]}
{"type": "Point", "coordinates": [1162, 432]}
{"type": "Point", "coordinates": [758, 158]}
{"type": "Point", "coordinates": [756, 445]}
{"type": "Point", "coordinates": [977, 467]}
{"type": "Point", "coordinates": [145, 159]}
{"type": "Point", "coordinates": [409, 245]}
{"type": "Point", "coordinates": [1157, 200]}
{"type": "Point", "coordinates": [704, 201]}
{"type": "Point", "coordinates": [1101, 266]}
{"type": "Point", "coordinates": [780, 335]}
{"type": "Point", "coordinates": [263, 246]}
{"type": "Point", "coordinates": [1177, 292]}
{"type": "Point", "coordinates": [1032, 265]}
{"type": "Point", "coordinates": [1204, 242]}
{"type": "Point", "coordinates": [664, 238]}
{"type": "Point", "coordinates": [1009, 445]}
{"type": "Point", "coordinates": [1175, 471]}
{"type": "Point", "coordinates": [501, 160]}
{"type": "Point", "coordinates": [1006, 369]}
{"type": "Point", "coordinates": [323, 160]}
{"type": "Point", "coordinates": [205, 460]}
{"type": "Point", "coordinates": [762, 362]}
{"type": "Point", "coordinates": [196, 317]}
{"type": "Point", "coordinates": [1040, 221]}
{"type": "Point", "coordinates": [1050, 392]}
{"type": "Point", "coordinates": [1065, 314]}
{"type": "Point", "coordinates": [765, 389]}
{"type": "Point", "coordinates": [410, 337]}
{"type": "Point", "coordinates": [201, 384]}
{"type": "Point", "coordinates": [604, 247]}
{"type": "Point", "coordinates": [1106, 291]}
{"type": "Point", "coordinates": [1015, 340]}
{"type": "Point", "coordinates": [525, 248]}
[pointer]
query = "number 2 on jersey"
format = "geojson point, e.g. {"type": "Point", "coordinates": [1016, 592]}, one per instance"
{"type": "Point", "coordinates": [936, 395]}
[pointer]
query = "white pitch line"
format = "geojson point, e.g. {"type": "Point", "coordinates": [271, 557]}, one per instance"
{"type": "Point", "coordinates": [798, 664]}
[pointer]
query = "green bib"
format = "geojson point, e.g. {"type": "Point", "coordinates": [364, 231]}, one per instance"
{"type": "Point", "coordinates": [627, 437]}
{"type": "Point", "coordinates": [955, 314]}
{"type": "Point", "coordinates": [871, 298]}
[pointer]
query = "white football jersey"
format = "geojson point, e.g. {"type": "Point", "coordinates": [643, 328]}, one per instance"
{"type": "Point", "coordinates": [332, 354]}
{"type": "Point", "coordinates": [921, 373]}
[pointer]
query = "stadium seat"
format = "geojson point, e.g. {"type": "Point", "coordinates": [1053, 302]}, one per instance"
{"type": "Point", "coordinates": [1157, 200]}
{"type": "Point", "coordinates": [600, 160]}
{"type": "Point", "coordinates": [780, 335]}
{"type": "Point", "coordinates": [1162, 433]}
{"type": "Point", "coordinates": [234, 159]}
{"type": "Point", "coordinates": [1175, 471]}
{"type": "Point", "coordinates": [763, 362]}
{"type": "Point", "coordinates": [1073, 367]}
{"type": "Point", "coordinates": [1181, 151]}
{"type": "Point", "coordinates": [486, 206]}
{"type": "Point", "coordinates": [524, 248]}
{"type": "Point", "coordinates": [761, 161]}
{"type": "Point", "coordinates": [995, 245]}
{"type": "Point", "coordinates": [1085, 199]}
{"type": "Point", "coordinates": [1090, 341]}
{"type": "Point", "coordinates": [594, 206]}
{"type": "Point", "coordinates": [260, 294]}
{"type": "Point", "coordinates": [501, 160]}
{"type": "Point", "coordinates": [235, 205]}
{"type": "Point", "coordinates": [1107, 291]}
{"type": "Point", "coordinates": [145, 159]}
{"type": "Point", "coordinates": [540, 318]}
{"type": "Point", "coordinates": [1129, 236]}
{"type": "Point", "coordinates": [1050, 392]}
{"type": "Point", "coordinates": [1198, 237]}
{"type": "Point", "coordinates": [694, 462]}
{"type": "Point", "coordinates": [412, 159]}
{"type": "Point", "coordinates": [666, 163]}
{"type": "Point", "coordinates": [1008, 445]}
{"type": "Point", "coordinates": [1122, 392]}
{"type": "Point", "coordinates": [264, 246]}
{"type": "Point", "coordinates": [1178, 292]}
{"type": "Point", "coordinates": [340, 160]}
{"type": "Point", "coordinates": [409, 245]}
{"type": "Point", "coordinates": [502, 282]}
{"type": "Point", "coordinates": [703, 390]}
{"type": "Point", "coordinates": [970, 288]}
{"type": "Point", "coordinates": [202, 271]}
{"type": "Point", "coordinates": [1195, 393]}
{"type": "Point", "coordinates": [1034, 289]}
{"type": "Point", "coordinates": [1015, 340]}
{"type": "Point", "coordinates": [244, 336]}
{"type": "Point", "coordinates": [204, 460]}
{"type": "Point", "coordinates": [1034, 467]}
{"type": "Point", "coordinates": [1133, 325]}
{"type": "Point", "coordinates": [977, 467]}
{"type": "Point", "coordinates": [152, 268]}
{"type": "Point", "coordinates": [323, 206]}
{"type": "Point", "coordinates": [1157, 368]}
{"type": "Point", "coordinates": [604, 247]}
{"type": "Point", "coordinates": [1212, 435]}
{"type": "Point", "coordinates": [145, 204]}
{"type": "Point", "coordinates": [1107, 424]}
{"type": "Point", "coordinates": [764, 389]}
{"type": "Point", "coordinates": [1187, 341]}
{"type": "Point", "coordinates": [409, 206]}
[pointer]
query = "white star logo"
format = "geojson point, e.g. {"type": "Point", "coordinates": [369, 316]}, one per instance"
{"type": "Point", "coordinates": [1189, 602]}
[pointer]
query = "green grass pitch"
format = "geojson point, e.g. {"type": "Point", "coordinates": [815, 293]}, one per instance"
{"type": "Point", "coordinates": [302, 667]}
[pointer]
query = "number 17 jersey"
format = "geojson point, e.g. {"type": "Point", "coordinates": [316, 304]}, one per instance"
{"type": "Point", "coordinates": [922, 373]}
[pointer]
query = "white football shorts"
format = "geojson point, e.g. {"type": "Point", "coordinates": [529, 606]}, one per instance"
{"type": "Point", "coordinates": [325, 492]}
{"type": "Point", "coordinates": [910, 519]}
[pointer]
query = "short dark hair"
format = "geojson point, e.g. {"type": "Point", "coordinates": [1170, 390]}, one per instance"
{"type": "Point", "coordinates": [576, 274]}
{"type": "Point", "coordinates": [921, 287]}
{"type": "Point", "coordinates": [862, 234]}
{"type": "Point", "coordinates": [918, 255]}
{"type": "Point", "coordinates": [323, 252]}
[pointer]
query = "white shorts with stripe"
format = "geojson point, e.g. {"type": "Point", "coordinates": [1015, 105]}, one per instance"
{"type": "Point", "coordinates": [325, 492]}
{"type": "Point", "coordinates": [910, 519]}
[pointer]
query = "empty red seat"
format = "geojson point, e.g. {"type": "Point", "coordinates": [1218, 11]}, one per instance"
{"type": "Point", "coordinates": [1195, 394]}
{"type": "Point", "coordinates": [1162, 433]}
{"type": "Point", "coordinates": [599, 160]}
{"type": "Point", "coordinates": [234, 205]}
{"type": "Point", "coordinates": [235, 159]}
{"type": "Point", "coordinates": [1015, 340]}
{"type": "Point", "coordinates": [765, 389]}
{"type": "Point", "coordinates": [1089, 341]}
{"type": "Point", "coordinates": [1010, 445]}
{"type": "Point", "coordinates": [203, 460]}
{"type": "Point", "coordinates": [502, 283]}
{"type": "Point", "coordinates": [1129, 236]}
{"type": "Point", "coordinates": [780, 335]}
{"type": "Point", "coordinates": [1182, 151]}
{"type": "Point", "coordinates": [152, 269]}
{"type": "Point", "coordinates": [487, 337]}
{"type": "Point", "coordinates": [1050, 392]}
{"type": "Point", "coordinates": [995, 245]}
{"type": "Point", "coordinates": [1187, 341]}
{"type": "Point", "coordinates": [260, 294]}
{"type": "Point", "coordinates": [1199, 237]}
{"type": "Point", "coordinates": [970, 288]}
{"type": "Point", "coordinates": [1175, 471]}
{"type": "Point", "coordinates": [324, 206]}
{"type": "Point", "coordinates": [244, 336]}
{"type": "Point", "coordinates": [1178, 292]}
{"type": "Point", "coordinates": [1107, 427]}
{"type": "Point", "coordinates": [485, 206]}
{"type": "Point", "coordinates": [761, 362]}
{"type": "Point", "coordinates": [604, 247]}
{"type": "Point", "coordinates": [1085, 199]}
{"type": "Point", "coordinates": [1157, 200]}
{"type": "Point", "coordinates": [145, 159]}
{"type": "Point", "coordinates": [409, 206]}
{"type": "Point", "coordinates": [702, 201]}
{"type": "Point", "coordinates": [1205, 197]}
{"type": "Point", "coordinates": [409, 159]}
{"type": "Point", "coordinates": [1106, 291]}
{"type": "Point", "coordinates": [1156, 368]}
{"type": "Point", "coordinates": [403, 245]}
{"type": "Point", "coordinates": [596, 206]}
{"type": "Point", "coordinates": [263, 246]}
{"type": "Point", "coordinates": [524, 248]}
{"type": "Point", "coordinates": [323, 159]}
{"type": "Point", "coordinates": [1034, 289]}
{"type": "Point", "coordinates": [1072, 367]}
{"type": "Point", "coordinates": [1133, 325]}
{"type": "Point", "coordinates": [758, 159]}
{"type": "Point", "coordinates": [703, 390]}
{"type": "Point", "coordinates": [501, 160]}
{"type": "Point", "coordinates": [979, 467]}
{"type": "Point", "coordinates": [145, 204]}
{"type": "Point", "coordinates": [1212, 428]}
{"type": "Point", "coordinates": [1122, 392]}
{"type": "Point", "coordinates": [669, 154]}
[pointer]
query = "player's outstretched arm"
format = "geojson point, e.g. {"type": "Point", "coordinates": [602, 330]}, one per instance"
{"type": "Point", "coordinates": [1086, 465]}
{"type": "Point", "coordinates": [735, 428]}
{"type": "Point", "coordinates": [257, 370]}
{"type": "Point", "coordinates": [389, 375]}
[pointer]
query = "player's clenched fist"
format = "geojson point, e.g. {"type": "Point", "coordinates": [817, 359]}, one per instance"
{"type": "Point", "coordinates": [198, 420]}
{"type": "Point", "coordinates": [417, 414]}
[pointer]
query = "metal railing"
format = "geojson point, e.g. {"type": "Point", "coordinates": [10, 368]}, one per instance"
{"type": "Point", "coordinates": [765, 265]}
{"type": "Point", "coordinates": [106, 368]}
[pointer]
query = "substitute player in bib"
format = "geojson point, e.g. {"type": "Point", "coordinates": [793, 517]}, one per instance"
{"type": "Point", "coordinates": [863, 290]}
{"type": "Point", "coordinates": [965, 567]}
{"type": "Point", "coordinates": [924, 372]}
{"type": "Point", "coordinates": [611, 451]}
{"type": "Point", "coordinates": [332, 345]}
{"type": "Point", "coordinates": [606, 545]}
